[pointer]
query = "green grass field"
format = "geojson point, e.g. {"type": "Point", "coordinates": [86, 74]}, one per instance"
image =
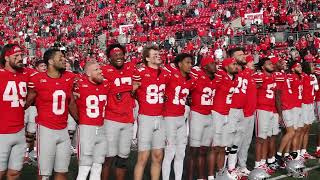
{"type": "Point", "coordinates": [30, 172]}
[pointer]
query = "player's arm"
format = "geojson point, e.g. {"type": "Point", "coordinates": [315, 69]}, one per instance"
{"type": "Point", "coordinates": [73, 110]}
{"type": "Point", "coordinates": [31, 96]}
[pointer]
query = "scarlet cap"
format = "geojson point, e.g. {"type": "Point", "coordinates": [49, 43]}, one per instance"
{"type": "Point", "coordinates": [206, 60]}
{"type": "Point", "coordinates": [228, 61]}
{"type": "Point", "coordinates": [13, 50]}
{"type": "Point", "coordinates": [274, 60]}
{"type": "Point", "coordinates": [249, 58]}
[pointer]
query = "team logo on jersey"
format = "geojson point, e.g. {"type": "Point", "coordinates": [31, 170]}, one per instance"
{"type": "Point", "coordinates": [68, 79]}
{"type": "Point", "coordinates": [84, 85]}
{"type": "Point", "coordinates": [176, 75]}
{"type": "Point", "coordinates": [203, 77]}
{"type": "Point", "coordinates": [147, 75]}
{"type": "Point", "coordinates": [109, 70]}
{"type": "Point", "coordinates": [43, 80]}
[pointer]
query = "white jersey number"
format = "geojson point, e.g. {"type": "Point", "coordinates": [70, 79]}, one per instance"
{"type": "Point", "coordinates": [242, 84]}
{"type": "Point", "coordinates": [155, 93]}
{"type": "Point", "coordinates": [270, 91]}
{"type": "Point", "coordinates": [300, 88]}
{"type": "Point", "coordinates": [289, 86]}
{"type": "Point", "coordinates": [123, 80]}
{"type": "Point", "coordinates": [229, 96]}
{"type": "Point", "coordinates": [207, 96]}
{"type": "Point", "coordinates": [11, 93]}
{"type": "Point", "coordinates": [59, 102]}
{"type": "Point", "coordinates": [177, 100]}
{"type": "Point", "coordinates": [92, 103]}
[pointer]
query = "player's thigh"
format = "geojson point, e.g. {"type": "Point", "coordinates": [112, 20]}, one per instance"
{"type": "Point", "coordinates": [171, 130]}
{"type": "Point", "coordinates": [159, 137]}
{"type": "Point", "coordinates": [63, 154]}
{"type": "Point", "coordinates": [100, 152]}
{"type": "Point", "coordinates": [146, 127]}
{"type": "Point", "coordinates": [288, 118]}
{"type": "Point", "coordinates": [197, 126]}
{"type": "Point", "coordinates": [46, 142]}
{"type": "Point", "coordinates": [275, 124]}
{"type": "Point", "coordinates": [219, 122]}
{"type": "Point", "coordinates": [17, 151]}
{"type": "Point", "coordinates": [125, 140]}
{"type": "Point", "coordinates": [182, 137]}
{"type": "Point", "coordinates": [112, 130]}
{"type": "Point", "coordinates": [86, 144]}
{"type": "Point", "coordinates": [262, 124]}
{"type": "Point", "coordinates": [207, 135]}
{"type": "Point", "coordinates": [6, 143]}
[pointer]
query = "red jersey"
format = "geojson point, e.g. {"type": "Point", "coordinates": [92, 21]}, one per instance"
{"type": "Point", "coordinates": [310, 85]}
{"type": "Point", "coordinates": [13, 89]}
{"type": "Point", "coordinates": [91, 101]}
{"type": "Point", "coordinates": [202, 93]}
{"type": "Point", "coordinates": [284, 85]}
{"type": "Point", "coordinates": [177, 90]}
{"type": "Point", "coordinates": [266, 92]}
{"type": "Point", "coordinates": [251, 95]}
{"type": "Point", "coordinates": [120, 102]}
{"type": "Point", "coordinates": [224, 91]}
{"type": "Point", "coordinates": [151, 91]}
{"type": "Point", "coordinates": [296, 87]}
{"type": "Point", "coordinates": [240, 91]}
{"type": "Point", "coordinates": [52, 100]}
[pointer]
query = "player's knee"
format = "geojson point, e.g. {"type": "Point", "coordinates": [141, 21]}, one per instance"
{"type": "Point", "coordinates": [13, 174]}
{"type": "Point", "coordinates": [290, 133]}
{"type": "Point", "coordinates": [203, 151]}
{"type": "Point", "coordinates": [260, 140]}
{"type": "Point", "coordinates": [157, 156]}
{"type": "Point", "coordinates": [2, 173]}
{"type": "Point", "coordinates": [121, 162]}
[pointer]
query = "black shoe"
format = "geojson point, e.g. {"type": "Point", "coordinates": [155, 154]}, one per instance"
{"type": "Point", "coordinates": [274, 166]}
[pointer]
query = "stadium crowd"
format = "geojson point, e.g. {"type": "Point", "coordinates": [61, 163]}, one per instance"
{"type": "Point", "coordinates": [165, 73]}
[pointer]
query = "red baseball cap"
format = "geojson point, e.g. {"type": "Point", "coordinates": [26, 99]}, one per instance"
{"type": "Point", "coordinates": [206, 60]}
{"type": "Point", "coordinates": [249, 58]}
{"type": "Point", "coordinates": [228, 61]}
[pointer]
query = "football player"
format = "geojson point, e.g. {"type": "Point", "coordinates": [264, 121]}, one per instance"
{"type": "Point", "coordinates": [201, 122]}
{"type": "Point", "coordinates": [238, 101]}
{"type": "Point", "coordinates": [310, 85]}
{"type": "Point", "coordinates": [91, 97]}
{"type": "Point", "coordinates": [13, 89]}
{"type": "Point", "coordinates": [177, 90]}
{"type": "Point", "coordinates": [248, 111]}
{"type": "Point", "coordinates": [151, 81]}
{"type": "Point", "coordinates": [295, 78]}
{"type": "Point", "coordinates": [224, 128]}
{"type": "Point", "coordinates": [119, 111]}
{"type": "Point", "coordinates": [52, 93]}
{"type": "Point", "coordinates": [30, 116]}
{"type": "Point", "coordinates": [266, 121]}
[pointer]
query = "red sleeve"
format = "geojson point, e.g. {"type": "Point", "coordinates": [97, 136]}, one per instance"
{"type": "Point", "coordinates": [137, 74]}
{"type": "Point", "coordinates": [258, 77]}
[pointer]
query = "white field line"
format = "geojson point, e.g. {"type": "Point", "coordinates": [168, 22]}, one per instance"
{"type": "Point", "coordinates": [284, 176]}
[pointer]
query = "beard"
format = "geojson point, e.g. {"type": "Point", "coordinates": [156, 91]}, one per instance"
{"type": "Point", "coordinates": [16, 66]}
{"type": "Point", "coordinates": [269, 71]}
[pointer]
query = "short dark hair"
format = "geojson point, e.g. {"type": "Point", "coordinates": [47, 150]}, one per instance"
{"type": "Point", "coordinates": [180, 58]}
{"type": "Point", "coordinates": [6, 48]}
{"type": "Point", "coordinates": [146, 52]}
{"type": "Point", "coordinates": [112, 46]}
{"type": "Point", "coordinates": [306, 67]}
{"type": "Point", "coordinates": [37, 63]}
{"type": "Point", "coordinates": [49, 54]}
{"type": "Point", "coordinates": [233, 50]}
{"type": "Point", "coordinates": [262, 61]}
